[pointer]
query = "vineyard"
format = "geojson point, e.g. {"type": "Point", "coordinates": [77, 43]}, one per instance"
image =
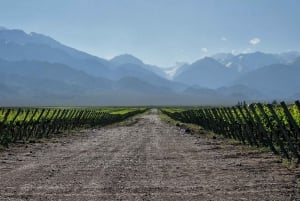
{"type": "Point", "coordinates": [276, 126]}
{"type": "Point", "coordinates": [23, 124]}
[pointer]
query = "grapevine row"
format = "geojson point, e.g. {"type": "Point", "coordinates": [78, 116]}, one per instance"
{"type": "Point", "coordinates": [23, 124]}
{"type": "Point", "coordinates": [273, 126]}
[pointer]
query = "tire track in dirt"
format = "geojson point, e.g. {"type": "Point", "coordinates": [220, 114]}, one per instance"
{"type": "Point", "coordinates": [149, 160]}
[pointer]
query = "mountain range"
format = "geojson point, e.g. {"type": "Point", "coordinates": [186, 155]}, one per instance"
{"type": "Point", "coordinates": [38, 70]}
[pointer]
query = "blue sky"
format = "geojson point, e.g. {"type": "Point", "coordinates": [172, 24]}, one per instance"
{"type": "Point", "coordinates": [160, 32]}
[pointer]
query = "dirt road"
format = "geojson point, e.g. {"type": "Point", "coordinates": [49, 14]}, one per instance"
{"type": "Point", "coordinates": [149, 160]}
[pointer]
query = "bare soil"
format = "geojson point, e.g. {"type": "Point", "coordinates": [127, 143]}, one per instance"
{"type": "Point", "coordinates": [149, 160]}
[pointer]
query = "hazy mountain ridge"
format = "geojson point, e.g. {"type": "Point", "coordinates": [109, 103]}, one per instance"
{"type": "Point", "coordinates": [206, 72]}
{"type": "Point", "coordinates": [130, 59]}
{"type": "Point", "coordinates": [244, 63]}
{"type": "Point", "coordinates": [36, 69]}
{"type": "Point", "coordinates": [276, 81]}
{"type": "Point", "coordinates": [49, 82]}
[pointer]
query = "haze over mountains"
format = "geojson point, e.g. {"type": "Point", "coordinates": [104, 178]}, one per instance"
{"type": "Point", "coordinates": [37, 70]}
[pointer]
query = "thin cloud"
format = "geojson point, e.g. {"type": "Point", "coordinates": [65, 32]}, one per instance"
{"type": "Point", "coordinates": [246, 51]}
{"type": "Point", "coordinates": [254, 41]}
{"type": "Point", "coordinates": [224, 38]}
{"type": "Point", "coordinates": [234, 52]}
{"type": "Point", "coordinates": [204, 50]}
